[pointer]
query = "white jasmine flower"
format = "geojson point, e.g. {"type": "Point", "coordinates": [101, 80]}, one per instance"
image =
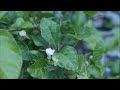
{"type": "Point", "coordinates": [87, 63]}
{"type": "Point", "coordinates": [49, 51]}
{"type": "Point", "coordinates": [91, 57]}
{"type": "Point", "coordinates": [22, 33]}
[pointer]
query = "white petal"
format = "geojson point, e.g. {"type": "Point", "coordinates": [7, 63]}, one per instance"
{"type": "Point", "coordinates": [49, 51]}
{"type": "Point", "coordinates": [22, 33]}
{"type": "Point", "coordinates": [52, 52]}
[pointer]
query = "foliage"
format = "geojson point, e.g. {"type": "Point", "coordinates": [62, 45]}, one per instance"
{"type": "Point", "coordinates": [22, 57]}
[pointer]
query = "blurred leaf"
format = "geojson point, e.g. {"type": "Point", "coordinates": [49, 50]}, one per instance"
{"type": "Point", "coordinates": [21, 24]}
{"type": "Point", "coordinates": [18, 22]}
{"type": "Point", "coordinates": [90, 13]}
{"type": "Point", "coordinates": [10, 56]}
{"type": "Point", "coordinates": [69, 29]}
{"type": "Point", "coordinates": [74, 36]}
{"type": "Point", "coordinates": [91, 41]}
{"type": "Point", "coordinates": [80, 18]}
{"type": "Point", "coordinates": [98, 53]}
{"type": "Point", "coordinates": [23, 74]}
{"type": "Point", "coordinates": [116, 67]}
{"type": "Point", "coordinates": [46, 14]}
{"type": "Point", "coordinates": [2, 13]}
{"type": "Point", "coordinates": [83, 75]}
{"type": "Point", "coordinates": [95, 72]}
{"type": "Point", "coordinates": [81, 62]}
{"type": "Point", "coordinates": [26, 24]}
{"type": "Point", "coordinates": [25, 50]}
{"type": "Point", "coordinates": [84, 31]}
{"type": "Point", "coordinates": [112, 42]}
{"type": "Point", "coordinates": [55, 72]}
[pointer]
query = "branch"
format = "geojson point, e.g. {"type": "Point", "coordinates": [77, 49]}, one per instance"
{"type": "Point", "coordinates": [35, 26]}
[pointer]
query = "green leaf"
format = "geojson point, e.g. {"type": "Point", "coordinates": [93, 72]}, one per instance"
{"type": "Point", "coordinates": [69, 39]}
{"type": "Point", "coordinates": [74, 36]}
{"type": "Point", "coordinates": [98, 53]}
{"type": "Point", "coordinates": [10, 56]}
{"type": "Point", "coordinates": [67, 58]}
{"type": "Point", "coordinates": [81, 61]}
{"type": "Point", "coordinates": [94, 37]}
{"type": "Point", "coordinates": [36, 70]}
{"type": "Point", "coordinates": [68, 29]}
{"type": "Point", "coordinates": [38, 40]}
{"type": "Point", "coordinates": [26, 24]}
{"type": "Point", "coordinates": [46, 14]}
{"type": "Point", "coordinates": [55, 72]}
{"type": "Point", "coordinates": [95, 72]}
{"type": "Point", "coordinates": [34, 54]}
{"type": "Point", "coordinates": [81, 32]}
{"type": "Point", "coordinates": [50, 31]}
{"type": "Point", "coordinates": [90, 13]}
{"type": "Point", "coordinates": [25, 50]}
{"type": "Point", "coordinates": [80, 18]}
{"type": "Point", "coordinates": [91, 41]}
{"type": "Point", "coordinates": [116, 67]}
{"type": "Point", "coordinates": [21, 24]}
{"type": "Point", "coordinates": [83, 75]}
{"type": "Point", "coordinates": [112, 42]}
{"type": "Point", "coordinates": [2, 13]}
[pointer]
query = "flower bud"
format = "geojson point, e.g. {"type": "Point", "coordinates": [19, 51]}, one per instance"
{"type": "Point", "coordinates": [22, 33]}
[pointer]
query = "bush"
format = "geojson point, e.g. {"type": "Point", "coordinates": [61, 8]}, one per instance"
{"type": "Point", "coordinates": [54, 45]}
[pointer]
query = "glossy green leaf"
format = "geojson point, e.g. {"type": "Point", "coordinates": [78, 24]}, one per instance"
{"type": "Point", "coordinates": [50, 31]}
{"type": "Point", "coordinates": [10, 56]}
{"type": "Point", "coordinates": [36, 70]}
{"type": "Point", "coordinates": [38, 40]}
{"type": "Point", "coordinates": [24, 49]}
{"type": "Point", "coordinates": [67, 58]}
{"type": "Point", "coordinates": [34, 54]}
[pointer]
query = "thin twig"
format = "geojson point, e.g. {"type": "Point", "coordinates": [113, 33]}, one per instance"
{"type": "Point", "coordinates": [12, 30]}
{"type": "Point", "coordinates": [34, 26]}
